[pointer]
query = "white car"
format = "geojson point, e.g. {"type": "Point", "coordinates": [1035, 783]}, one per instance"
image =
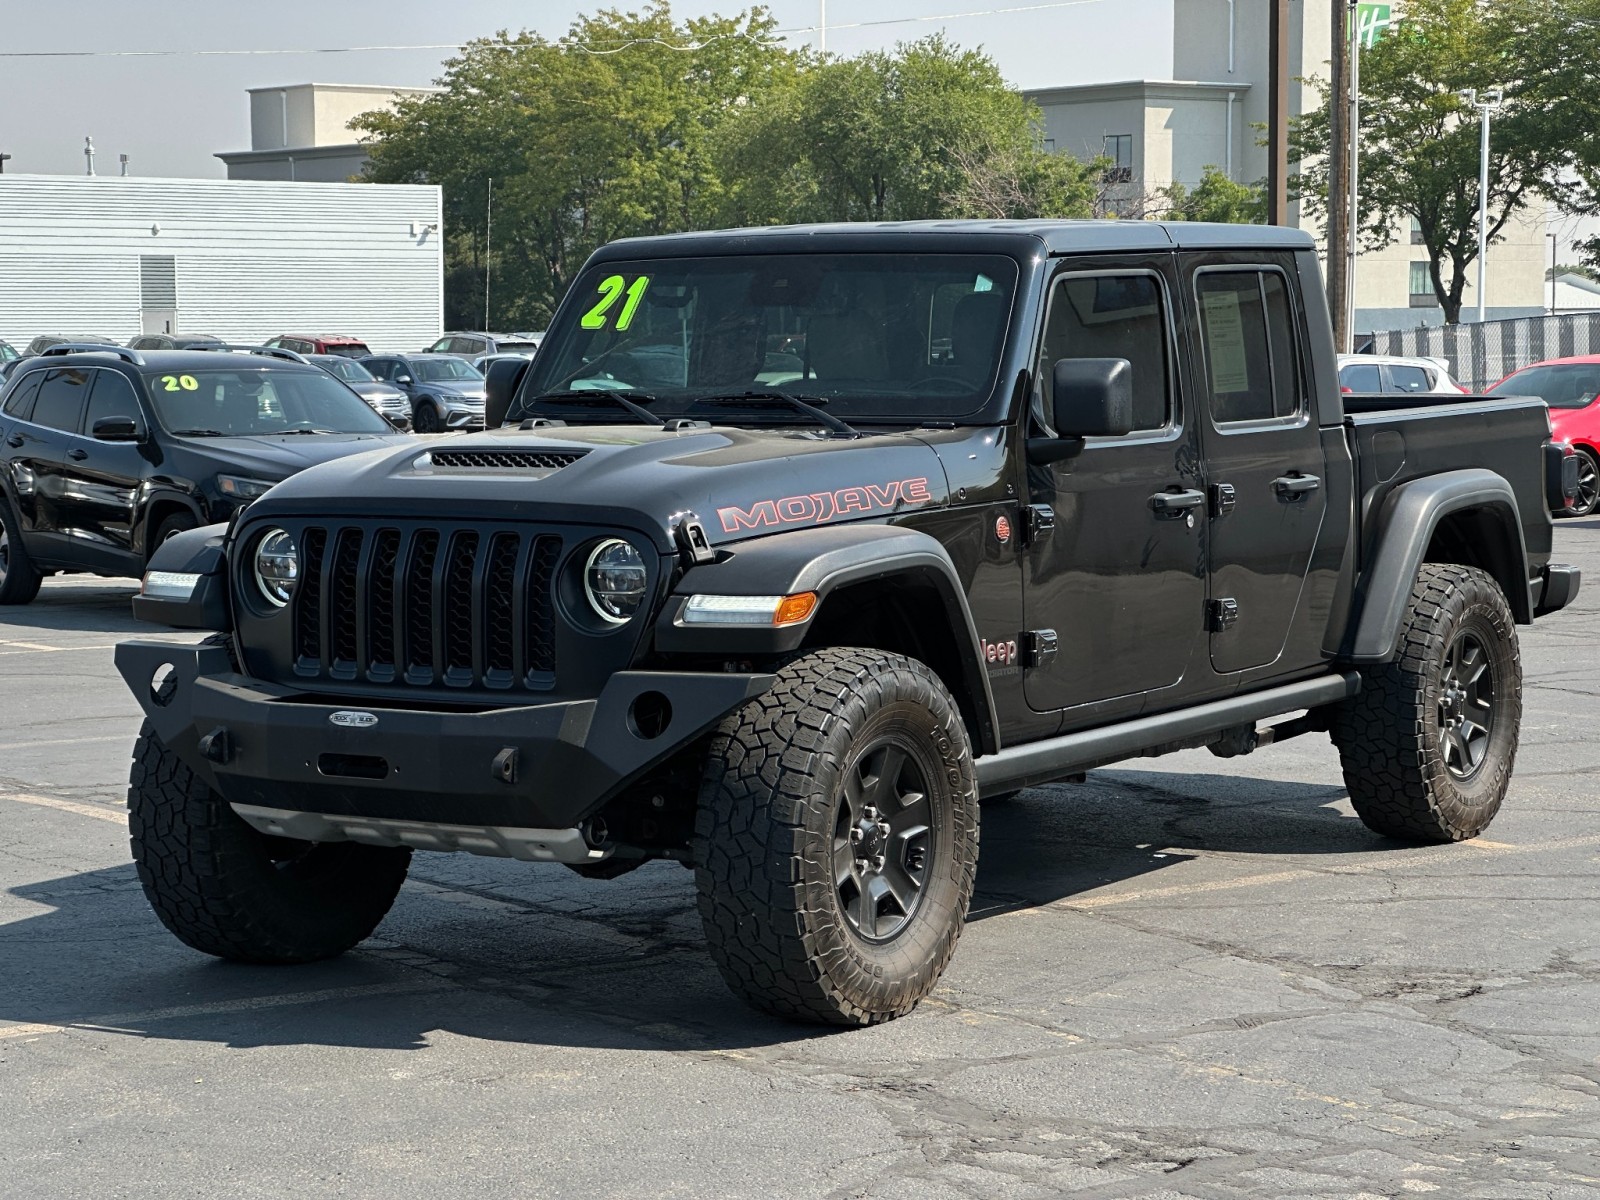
{"type": "Point", "coordinates": [1377, 373]}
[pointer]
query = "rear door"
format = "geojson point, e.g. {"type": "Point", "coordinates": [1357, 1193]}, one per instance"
{"type": "Point", "coordinates": [102, 478]}
{"type": "Point", "coordinates": [1120, 579]}
{"type": "Point", "coordinates": [38, 453]}
{"type": "Point", "coordinates": [1263, 452]}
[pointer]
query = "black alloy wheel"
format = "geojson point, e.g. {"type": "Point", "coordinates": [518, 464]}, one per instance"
{"type": "Point", "coordinates": [884, 838]}
{"type": "Point", "coordinates": [427, 419]}
{"type": "Point", "coordinates": [19, 582]}
{"type": "Point", "coordinates": [1588, 485]}
{"type": "Point", "coordinates": [1466, 706]}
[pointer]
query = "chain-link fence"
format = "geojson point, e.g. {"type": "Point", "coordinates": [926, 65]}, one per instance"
{"type": "Point", "coordinates": [1480, 356]}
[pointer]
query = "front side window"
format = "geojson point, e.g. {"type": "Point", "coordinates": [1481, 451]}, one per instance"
{"type": "Point", "coordinates": [113, 396]}
{"type": "Point", "coordinates": [258, 402]}
{"type": "Point", "coordinates": [1563, 385]}
{"type": "Point", "coordinates": [1113, 316]}
{"type": "Point", "coordinates": [1361, 377]}
{"type": "Point", "coordinates": [893, 337]}
{"type": "Point", "coordinates": [1247, 335]}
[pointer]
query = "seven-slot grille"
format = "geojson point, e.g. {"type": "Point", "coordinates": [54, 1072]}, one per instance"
{"type": "Point", "coordinates": [461, 607]}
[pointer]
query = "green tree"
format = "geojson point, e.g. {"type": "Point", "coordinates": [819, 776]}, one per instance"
{"type": "Point", "coordinates": [928, 130]}
{"type": "Point", "coordinates": [1214, 198]}
{"type": "Point", "coordinates": [605, 133]}
{"type": "Point", "coordinates": [1419, 145]}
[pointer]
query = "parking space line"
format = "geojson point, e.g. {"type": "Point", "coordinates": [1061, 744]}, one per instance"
{"type": "Point", "coordinates": [28, 645]}
{"type": "Point", "coordinates": [98, 811]}
{"type": "Point", "coordinates": [29, 648]}
{"type": "Point", "coordinates": [80, 741]}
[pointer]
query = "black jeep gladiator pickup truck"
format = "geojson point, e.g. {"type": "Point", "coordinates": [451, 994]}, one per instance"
{"type": "Point", "coordinates": [794, 545]}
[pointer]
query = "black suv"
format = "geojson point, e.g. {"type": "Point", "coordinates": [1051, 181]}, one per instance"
{"type": "Point", "coordinates": [106, 452]}
{"type": "Point", "coordinates": [446, 392]}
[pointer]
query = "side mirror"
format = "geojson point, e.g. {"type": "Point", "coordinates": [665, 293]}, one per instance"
{"type": "Point", "coordinates": [1092, 397]}
{"type": "Point", "coordinates": [116, 429]}
{"type": "Point", "coordinates": [403, 380]}
{"type": "Point", "coordinates": [500, 386]}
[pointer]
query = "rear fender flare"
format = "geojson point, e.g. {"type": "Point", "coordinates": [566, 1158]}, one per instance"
{"type": "Point", "coordinates": [823, 561]}
{"type": "Point", "coordinates": [1407, 522]}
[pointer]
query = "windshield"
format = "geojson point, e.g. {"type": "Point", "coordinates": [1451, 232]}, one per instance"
{"type": "Point", "coordinates": [349, 349]}
{"type": "Point", "coordinates": [896, 337]}
{"type": "Point", "coordinates": [1566, 385]}
{"type": "Point", "coordinates": [257, 401]}
{"type": "Point", "coordinates": [435, 369]}
{"type": "Point", "coordinates": [347, 369]}
{"type": "Point", "coordinates": [7, 352]}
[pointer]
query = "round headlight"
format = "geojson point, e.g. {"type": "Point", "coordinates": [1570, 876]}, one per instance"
{"type": "Point", "coordinates": [614, 579]}
{"type": "Point", "coordinates": [277, 566]}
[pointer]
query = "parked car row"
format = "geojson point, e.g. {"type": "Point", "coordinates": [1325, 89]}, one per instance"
{"type": "Point", "coordinates": [107, 452]}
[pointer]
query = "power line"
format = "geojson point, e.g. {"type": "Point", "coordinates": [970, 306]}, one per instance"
{"type": "Point", "coordinates": [595, 48]}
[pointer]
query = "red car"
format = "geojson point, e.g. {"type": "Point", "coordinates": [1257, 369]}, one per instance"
{"type": "Point", "coordinates": [1571, 387]}
{"type": "Point", "coordinates": [340, 344]}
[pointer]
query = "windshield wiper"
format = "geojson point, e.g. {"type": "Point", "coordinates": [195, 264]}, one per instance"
{"type": "Point", "coordinates": [287, 432]}
{"type": "Point", "coordinates": [767, 397]}
{"type": "Point", "coordinates": [621, 398]}
{"type": "Point", "coordinates": [198, 433]}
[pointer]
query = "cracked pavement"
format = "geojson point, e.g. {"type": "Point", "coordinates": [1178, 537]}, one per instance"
{"type": "Point", "coordinates": [1187, 977]}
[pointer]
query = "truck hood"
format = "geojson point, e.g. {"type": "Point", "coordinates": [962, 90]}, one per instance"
{"type": "Point", "coordinates": [738, 482]}
{"type": "Point", "coordinates": [280, 457]}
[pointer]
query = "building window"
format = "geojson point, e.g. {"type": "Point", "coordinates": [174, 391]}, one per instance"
{"type": "Point", "coordinates": [1049, 145]}
{"type": "Point", "coordinates": [1422, 286]}
{"type": "Point", "coordinates": [1416, 233]}
{"type": "Point", "coordinates": [1119, 149]}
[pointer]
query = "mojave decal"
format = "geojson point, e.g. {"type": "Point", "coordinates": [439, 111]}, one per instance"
{"type": "Point", "coordinates": [814, 508]}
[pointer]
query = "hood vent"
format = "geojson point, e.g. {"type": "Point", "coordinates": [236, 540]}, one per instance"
{"type": "Point", "coordinates": [506, 460]}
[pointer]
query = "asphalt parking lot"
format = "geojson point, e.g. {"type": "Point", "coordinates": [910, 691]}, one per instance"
{"type": "Point", "coordinates": [1185, 978]}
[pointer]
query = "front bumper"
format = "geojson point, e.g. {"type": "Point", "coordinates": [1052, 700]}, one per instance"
{"type": "Point", "coordinates": [465, 779]}
{"type": "Point", "coordinates": [1557, 588]}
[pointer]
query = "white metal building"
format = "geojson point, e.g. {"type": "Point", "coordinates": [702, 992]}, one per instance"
{"type": "Point", "coordinates": [244, 260]}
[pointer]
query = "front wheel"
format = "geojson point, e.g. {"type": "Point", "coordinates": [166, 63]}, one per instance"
{"type": "Point", "coordinates": [427, 419]}
{"type": "Point", "coordinates": [1588, 498]}
{"type": "Point", "coordinates": [19, 582]}
{"type": "Point", "coordinates": [837, 839]}
{"type": "Point", "coordinates": [227, 890]}
{"type": "Point", "coordinates": [1428, 743]}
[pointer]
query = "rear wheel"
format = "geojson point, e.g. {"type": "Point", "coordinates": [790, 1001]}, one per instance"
{"type": "Point", "coordinates": [837, 839]}
{"type": "Point", "coordinates": [227, 890]}
{"type": "Point", "coordinates": [1428, 744]}
{"type": "Point", "coordinates": [19, 582]}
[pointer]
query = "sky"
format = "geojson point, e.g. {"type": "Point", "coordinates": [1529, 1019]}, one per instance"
{"type": "Point", "coordinates": [171, 114]}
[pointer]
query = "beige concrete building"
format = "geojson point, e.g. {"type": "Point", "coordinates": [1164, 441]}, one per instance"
{"type": "Point", "coordinates": [302, 133]}
{"type": "Point", "coordinates": [1158, 132]}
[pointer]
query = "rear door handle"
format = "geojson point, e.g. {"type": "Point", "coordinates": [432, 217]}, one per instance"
{"type": "Point", "coordinates": [1176, 504]}
{"type": "Point", "coordinates": [1294, 487]}
{"type": "Point", "coordinates": [77, 455]}
{"type": "Point", "coordinates": [15, 441]}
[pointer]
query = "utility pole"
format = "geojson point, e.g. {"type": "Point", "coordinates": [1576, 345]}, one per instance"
{"type": "Point", "coordinates": [1339, 176]}
{"type": "Point", "coordinates": [822, 26]}
{"type": "Point", "coordinates": [1353, 237]}
{"type": "Point", "coordinates": [488, 245]}
{"type": "Point", "coordinates": [1278, 115]}
{"type": "Point", "coordinates": [1485, 102]}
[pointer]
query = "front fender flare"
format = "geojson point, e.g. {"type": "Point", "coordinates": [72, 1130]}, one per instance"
{"type": "Point", "coordinates": [1409, 517]}
{"type": "Point", "coordinates": [824, 560]}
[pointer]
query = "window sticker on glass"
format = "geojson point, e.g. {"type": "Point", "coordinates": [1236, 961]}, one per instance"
{"type": "Point", "coordinates": [1225, 349]}
{"type": "Point", "coordinates": [982, 284]}
{"type": "Point", "coordinates": [611, 289]}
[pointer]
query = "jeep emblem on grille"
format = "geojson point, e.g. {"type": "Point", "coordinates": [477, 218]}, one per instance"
{"type": "Point", "coordinates": [353, 720]}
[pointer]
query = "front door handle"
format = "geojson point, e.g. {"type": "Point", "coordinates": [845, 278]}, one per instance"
{"type": "Point", "coordinates": [1176, 504]}
{"type": "Point", "coordinates": [1296, 486]}
{"type": "Point", "coordinates": [77, 455]}
{"type": "Point", "coordinates": [15, 441]}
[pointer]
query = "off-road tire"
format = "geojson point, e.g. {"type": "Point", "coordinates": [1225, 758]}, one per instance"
{"type": "Point", "coordinates": [767, 833]}
{"type": "Point", "coordinates": [19, 582]}
{"type": "Point", "coordinates": [227, 890]}
{"type": "Point", "coordinates": [1390, 737]}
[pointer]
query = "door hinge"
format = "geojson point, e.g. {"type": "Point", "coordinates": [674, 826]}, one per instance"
{"type": "Point", "coordinates": [1037, 521]}
{"type": "Point", "coordinates": [1220, 614]}
{"type": "Point", "coordinates": [1223, 498]}
{"type": "Point", "coordinates": [1038, 647]}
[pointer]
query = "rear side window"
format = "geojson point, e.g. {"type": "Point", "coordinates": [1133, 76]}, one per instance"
{"type": "Point", "coordinates": [61, 398]}
{"type": "Point", "coordinates": [1410, 379]}
{"type": "Point", "coordinates": [20, 405]}
{"type": "Point", "coordinates": [1114, 316]}
{"type": "Point", "coordinates": [440, 346]}
{"type": "Point", "coordinates": [1247, 332]}
{"type": "Point", "coordinates": [113, 396]}
{"type": "Point", "coordinates": [1364, 377]}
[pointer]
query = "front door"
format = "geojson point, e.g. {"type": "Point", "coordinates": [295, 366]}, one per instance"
{"type": "Point", "coordinates": [102, 478]}
{"type": "Point", "coordinates": [1120, 579]}
{"type": "Point", "coordinates": [1264, 456]}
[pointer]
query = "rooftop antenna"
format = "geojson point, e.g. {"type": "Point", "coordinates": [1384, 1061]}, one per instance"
{"type": "Point", "coordinates": [88, 155]}
{"type": "Point", "coordinates": [123, 159]}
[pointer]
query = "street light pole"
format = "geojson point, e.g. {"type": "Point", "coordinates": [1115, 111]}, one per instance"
{"type": "Point", "coordinates": [1485, 104]}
